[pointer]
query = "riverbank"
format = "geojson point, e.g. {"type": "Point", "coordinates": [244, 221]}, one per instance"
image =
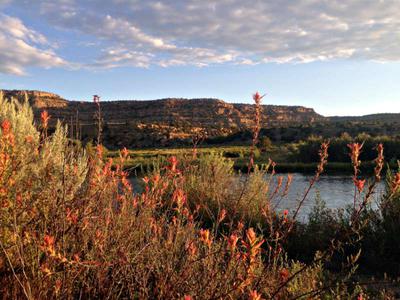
{"type": "Point", "coordinates": [142, 160]}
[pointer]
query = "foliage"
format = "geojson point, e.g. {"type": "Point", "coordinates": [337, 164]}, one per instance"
{"type": "Point", "coordinates": [73, 227]}
{"type": "Point", "coordinates": [306, 150]}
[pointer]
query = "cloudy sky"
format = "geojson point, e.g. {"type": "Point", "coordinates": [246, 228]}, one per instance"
{"type": "Point", "coordinates": [340, 57]}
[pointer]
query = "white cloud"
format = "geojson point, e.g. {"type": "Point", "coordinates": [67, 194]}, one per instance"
{"type": "Point", "coordinates": [182, 32]}
{"type": "Point", "coordinates": [114, 57]}
{"type": "Point", "coordinates": [20, 47]}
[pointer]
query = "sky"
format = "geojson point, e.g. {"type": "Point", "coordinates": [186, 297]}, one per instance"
{"type": "Point", "coordinates": [338, 57]}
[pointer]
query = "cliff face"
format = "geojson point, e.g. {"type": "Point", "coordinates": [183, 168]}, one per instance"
{"type": "Point", "coordinates": [161, 122]}
{"type": "Point", "coordinates": [38, 99]}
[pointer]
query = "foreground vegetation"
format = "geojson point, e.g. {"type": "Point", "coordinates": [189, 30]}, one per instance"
{"type": "Point", "coordinates": [72, 226]}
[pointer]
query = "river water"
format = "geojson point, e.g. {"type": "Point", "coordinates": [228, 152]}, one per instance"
{"type": "Point", "coordinates": [337, 191]}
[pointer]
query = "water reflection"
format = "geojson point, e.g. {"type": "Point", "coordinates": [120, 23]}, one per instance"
{"type": "Point", "coordinates": [336, 191]}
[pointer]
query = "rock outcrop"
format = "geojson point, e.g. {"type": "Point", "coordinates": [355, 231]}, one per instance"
{"type": "Point", "coordinates": [38, 99]}
{"type": "Point", "coordinates": [135, 123]}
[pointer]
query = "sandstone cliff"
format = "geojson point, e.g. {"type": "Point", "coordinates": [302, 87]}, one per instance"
{"type": "Point", "coordinates": [160, 122]}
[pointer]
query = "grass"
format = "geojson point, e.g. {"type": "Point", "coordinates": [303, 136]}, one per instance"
{"type": "Point", "coordinates": [148, 154]}
{"type": "Point", "coordinates": [145, 159]}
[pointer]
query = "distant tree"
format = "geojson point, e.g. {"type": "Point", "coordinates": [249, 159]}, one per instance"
{"type": "Point", "coordinates": [265, 143]}
{"type": "Point", "coordinates": [363, 136]}
{"type": "Point", "coordinates": [345, 136]}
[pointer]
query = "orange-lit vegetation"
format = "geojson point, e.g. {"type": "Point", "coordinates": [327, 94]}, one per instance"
{"type": "Point", "coordinates": [72, 226]}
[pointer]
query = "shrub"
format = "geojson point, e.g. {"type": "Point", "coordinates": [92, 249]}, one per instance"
{"type": "Point", "coordinates": [72, 227]}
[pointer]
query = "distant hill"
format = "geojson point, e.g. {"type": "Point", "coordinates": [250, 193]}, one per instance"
{"type": "Point", "coordinates": [173, 121]}
{"type": "Point", "coordinates": [136, 123]}
{"type": "Point", "coordinates": [386, 117]}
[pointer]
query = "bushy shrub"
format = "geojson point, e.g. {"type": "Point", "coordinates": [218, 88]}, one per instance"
{"type": "Point", "coordinates": [73, 228]}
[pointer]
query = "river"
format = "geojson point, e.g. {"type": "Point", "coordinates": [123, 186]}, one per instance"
{"type": "Point", "coordinates": [337, 191]}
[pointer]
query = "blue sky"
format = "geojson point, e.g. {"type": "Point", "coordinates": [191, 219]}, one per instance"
{"type": "Point", "coordinates": [341, 58]}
